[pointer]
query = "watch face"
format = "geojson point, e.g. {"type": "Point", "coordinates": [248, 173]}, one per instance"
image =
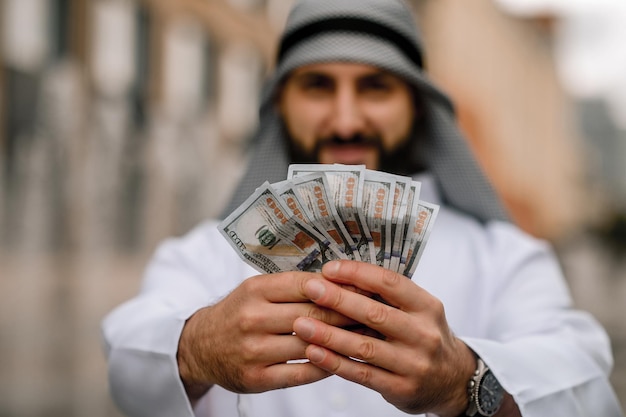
{"type": "Point", "coordinates": [490, 395]}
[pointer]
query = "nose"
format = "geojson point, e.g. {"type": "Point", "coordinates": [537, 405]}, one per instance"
{"type": "Point", "coordinates": [348, 117]}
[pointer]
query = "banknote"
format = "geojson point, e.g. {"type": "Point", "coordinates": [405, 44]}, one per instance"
{"type": "Point", "coordinates": [378, 188]}
{"type": "Point", "coordinates": [411, 210]}
{"type": "Point", "coordinates": [420, 226]}
{"type": "Point", "coordinates": [400, 200]}
{"type": "Point", "coordinates": [270, 239]}
{"type": "Point", "coordinates": [309, 193]}
{"type": "Point", "coordinates": [326, 212]}
{"type": "Point", "coordinates": [346, 188]}
{"type": "Point", "coordinates": [285, 190]}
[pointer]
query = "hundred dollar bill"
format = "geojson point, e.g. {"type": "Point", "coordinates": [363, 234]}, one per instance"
{"type": "Point", "coordinates": [269, 239]}
{"type": "Point", "coordinates": [312, 192]}
{"type": "Point", "coordinates": [287, 192]}
{"type": "Point", "coordinates": [400, 200]}
{"type": "Point", "coordinates": [420, 226]}
{"type": "Point", "coordinates": [411, 210]}
{"type": "Point", "coordinates": [346, 187]}
{"type": "Point", "coordinates": [378, 190]}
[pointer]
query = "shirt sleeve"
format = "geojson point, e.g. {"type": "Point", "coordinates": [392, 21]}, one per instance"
{"type": "Point", "coordinates": [553, 359]}
{"type": "Point", "coordinates": [141, 336]}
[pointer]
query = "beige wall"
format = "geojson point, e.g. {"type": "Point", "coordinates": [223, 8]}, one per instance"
{"type": "Point", "coordinates": [501, 75]}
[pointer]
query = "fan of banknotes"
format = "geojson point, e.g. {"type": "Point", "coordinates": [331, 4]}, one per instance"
{"type": "Point", "coordinates": [323, 212]}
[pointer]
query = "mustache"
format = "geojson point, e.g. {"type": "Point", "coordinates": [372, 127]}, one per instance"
{"type": "Point", "coordinates": [299, 155]}
{"type": "Point", "coordinates": [357, 139]}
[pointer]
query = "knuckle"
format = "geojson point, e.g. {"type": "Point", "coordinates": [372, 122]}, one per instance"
{"type": "Point", "coordinates": [364, 376]}
{"type": "Point", "coordinates": [301, 282]}
{"type": "Point", "coordinates": [296, 378]}
{"type": "Point", "coordinates": [377, 314]}
{"type": "Point", "coordinates": [336, 300]}
{"type": "Point", "coordinates": [334, 367]}
{"type": "Point", "coordinates": [390, 278]}
{"type": "Point", "coordinates": [438, 309]}
{"type": "Point", "coordinates": [251, 284]}
{"type": "Point", "coordinates": [421, 367]}
{"type": "Point", "coordinates": [248, 320]}
{"type": "Point", "coordinates": [432, 336]}
{"type": "Point", "coordinates": [249, 381]}
{"type": "Point", "coordinates": [249, 351]}
{"type": "Point", "coordinates": [366, 350]}
{"type": "Point", "coordinates": [406, 390]}
{"type": "Point", "coordinates": [437, 340]}
{"type": "Point", "coordinates": [326, 338]}
{"type": "Point", "coordinates": [433, 343]}
{"type": "Point", "coordinates": [319, 313]}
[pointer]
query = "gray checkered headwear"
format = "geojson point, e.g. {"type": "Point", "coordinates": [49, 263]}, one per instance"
{"type": "Point", "coordinates": [381, 33]}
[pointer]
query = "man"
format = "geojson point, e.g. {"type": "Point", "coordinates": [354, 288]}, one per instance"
{"type": "Point", "coordinates": [484, 327]}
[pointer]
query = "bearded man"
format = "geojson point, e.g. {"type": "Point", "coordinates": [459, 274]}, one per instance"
{"type": "Point", "coordinates": [484, 327]}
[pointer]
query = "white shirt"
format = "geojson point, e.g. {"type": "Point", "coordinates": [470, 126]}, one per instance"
{"type": "Point", "coordinates": [503, 293]}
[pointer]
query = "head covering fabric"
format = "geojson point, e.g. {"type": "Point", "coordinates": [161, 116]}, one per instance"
{"type": "Point", "coordinates": [393, 44]}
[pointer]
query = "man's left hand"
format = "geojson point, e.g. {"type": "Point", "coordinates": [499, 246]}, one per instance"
{"type": "Point", "coordinates": [417, 365]}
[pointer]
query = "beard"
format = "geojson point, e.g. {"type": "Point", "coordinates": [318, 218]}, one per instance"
{"type": "Point", "coordinates": [400, 160]}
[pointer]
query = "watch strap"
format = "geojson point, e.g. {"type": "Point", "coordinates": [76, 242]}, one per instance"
{"type": "Point", "coordinates": [472, 385]}
{"type": "Point", "coordinates": [484, 391]}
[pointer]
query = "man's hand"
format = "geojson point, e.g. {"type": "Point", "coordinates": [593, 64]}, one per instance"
{"type": "Point", "coordinates": [243, 342]}
{"type": "Point", "coordinates": [418, 365]}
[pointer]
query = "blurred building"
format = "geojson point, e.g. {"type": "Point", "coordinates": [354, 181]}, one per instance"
{"type": "Point", "coordinates": [122, 122]}
{"type": "Point", "coordinates": [587, 44]}
{"type": "Point", "coordinates": [500, 73]}
{"type": "Point", "coordinates": [120, 90]}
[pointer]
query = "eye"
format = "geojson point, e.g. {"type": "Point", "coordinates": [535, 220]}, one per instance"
{"type": "Point", "coordinates": [377, 84]}
{"type": "Point", "coordinates": [315, 83]}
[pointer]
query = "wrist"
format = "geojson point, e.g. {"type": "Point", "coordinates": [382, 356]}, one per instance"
{"type": "Point", "coordinates": [459, 395]}
{"type": "Point", "coordinates": [196, 383]}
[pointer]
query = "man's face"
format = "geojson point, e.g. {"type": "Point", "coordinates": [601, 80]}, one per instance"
{"type": "Point", "coordinates": [346, 113]}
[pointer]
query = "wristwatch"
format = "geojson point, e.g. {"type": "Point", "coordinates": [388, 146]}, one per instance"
{"type": "Point", "coordinates": [485, 392]}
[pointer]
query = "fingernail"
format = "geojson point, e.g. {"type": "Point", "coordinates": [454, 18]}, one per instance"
{"type": "Point", "coordinates": [330, 269]}
{"type": "Point", "coordinates": [316, 354]}
{"type": "Point", "coordinates": [315, 289]}
{"type": "Point", "coordinates": [304, 328]}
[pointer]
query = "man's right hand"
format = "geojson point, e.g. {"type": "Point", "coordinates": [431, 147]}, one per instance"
{"type": "Point", "coordinates": [243, 343]}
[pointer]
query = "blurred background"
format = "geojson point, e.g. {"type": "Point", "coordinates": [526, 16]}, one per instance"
{"type": "Point", "coordinates": [123, 122]}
